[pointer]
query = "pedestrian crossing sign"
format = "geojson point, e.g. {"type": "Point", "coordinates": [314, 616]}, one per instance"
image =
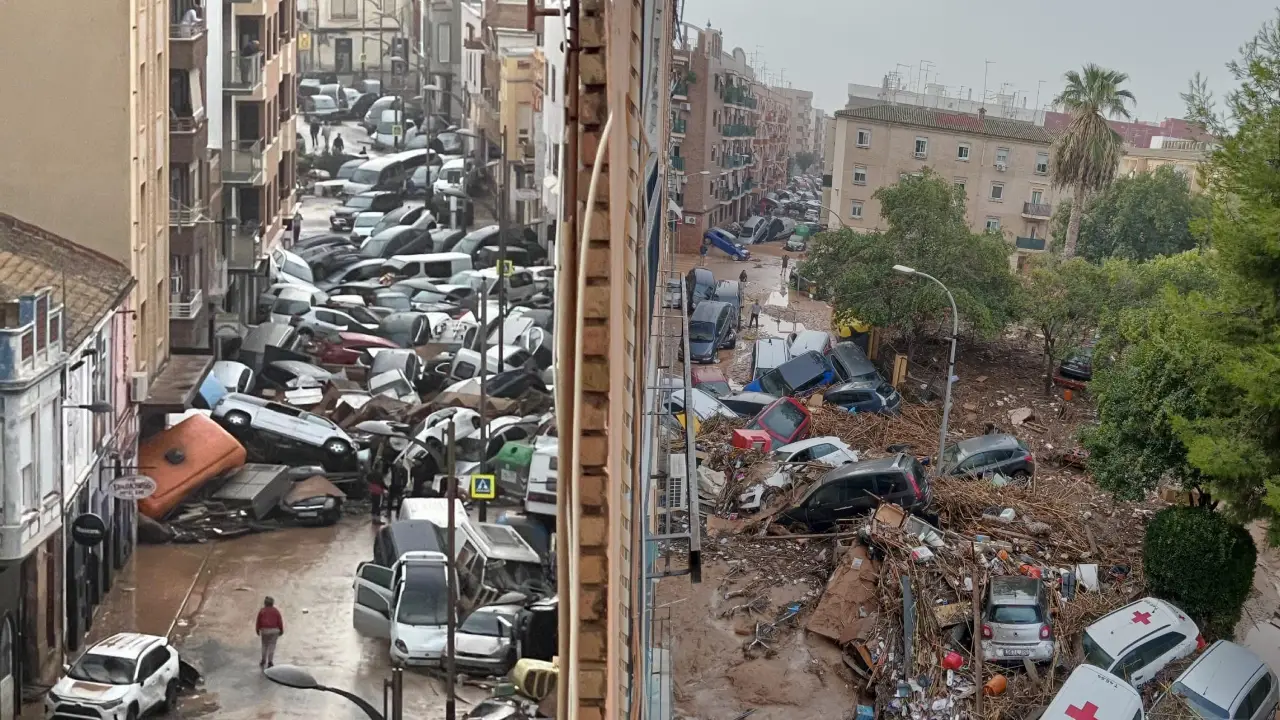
{"type": "Point", "coordinates": [483, 488]}
{"type": "Point", "coordinates": [506, 268]}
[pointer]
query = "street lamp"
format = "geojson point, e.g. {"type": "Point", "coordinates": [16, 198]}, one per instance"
{"type": "Point", "coordinates": [951, 363]}
{"type": "Point", "coordinates": [97, 408]}
{"type": "Point", "coordinates": [298, 678]}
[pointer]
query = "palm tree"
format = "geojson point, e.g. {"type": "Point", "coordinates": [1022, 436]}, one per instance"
{"type": "Point", "coordinates": [1086, 154]}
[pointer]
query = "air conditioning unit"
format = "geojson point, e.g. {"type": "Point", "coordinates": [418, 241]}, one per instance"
{"type": "Point", "coordinates": [687, 107]}
{"type": "Point", "coordinates": [139, 387]}
{"type": "Point", "coordinates": [1002, 166]}
{"type": "Point", "coordinates": [690, 219]}
{"type": "Point", "coordinates": [677, 485]}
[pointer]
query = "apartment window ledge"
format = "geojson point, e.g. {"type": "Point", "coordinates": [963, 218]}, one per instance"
{"type": "Point", "coordinates": [1041, 172]}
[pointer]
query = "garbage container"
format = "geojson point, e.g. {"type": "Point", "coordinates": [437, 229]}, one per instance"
{"type": "Point", "coordinates": [511, 466]}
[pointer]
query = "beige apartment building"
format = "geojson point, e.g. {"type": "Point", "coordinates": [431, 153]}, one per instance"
{"type": "Point", "coordinates": [1184, 155]}
{"type": "Point", "coordinates": [1002, 166]}
{"type": "Point", "coordinates": [92, 164]}
{"type": "Point", "coordinates": [800, 131]}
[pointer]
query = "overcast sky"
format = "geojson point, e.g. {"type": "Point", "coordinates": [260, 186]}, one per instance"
{"type": "Point", "coordinates": [826, 44]}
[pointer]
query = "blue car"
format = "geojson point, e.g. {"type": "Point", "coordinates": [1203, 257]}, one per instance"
{"type": "Point", "coordinates": [798, 376]}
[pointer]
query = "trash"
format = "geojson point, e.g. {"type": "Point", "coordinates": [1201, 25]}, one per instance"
{"type": "Point", "coordinates": [922, 554]}
{"type": "Point", "coordinates": [1020, 415]}
{"type": "Point", "coordinates": [865, 712]}
{"type": "Point", "coordinates": [1087, 576]}
{"type": "Point", "coordinates": [952, 661]}
{"type": "Point", "coordinates": [1008, 514]}
{"type": "Point", "coordinates": [996, 685]}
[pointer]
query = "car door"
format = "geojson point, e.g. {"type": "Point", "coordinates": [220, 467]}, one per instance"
{"type": "Point", "coordinates": [279, 419]}
{"type": "Point", "coordinates": [151, 681]}
{"type": "Point", "coordinates": [1142, 663]}
{"type": "Point", "coordinates": [856, 498]}
{"type": "Point", "coordinates": [972, 465]}
{"type": "Point", "coordinates": [818, 453]}
{"type": "Point", "coordinates": [331, 321]}
{"type": "Point", "coordinates": [1261, 699]}
{"type": "Point", "coordinates": [371, 609]}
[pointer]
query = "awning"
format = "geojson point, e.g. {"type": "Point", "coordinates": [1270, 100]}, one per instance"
{"type": "Point", "coordinates": [174, 389]}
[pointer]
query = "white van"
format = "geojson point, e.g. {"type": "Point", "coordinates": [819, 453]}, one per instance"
{"type": "Point", "coordinates": [452, 177]}
{"type": "Point", "coordinates": [540, 490]}
{"type": "Point", "coordinates": [493, 556]}
{"type": "Point", "coordinates": [435, 266]}
{"type": "Point", "coordinates": [1091, 693]}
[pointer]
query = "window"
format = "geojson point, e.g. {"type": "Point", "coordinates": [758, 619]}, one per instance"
{"type": "Point", "coordinates": [859, 175]}
{"type": "Point", "coordinates": [444, 39]}
{"type": "Point", "coordinates": [26, 439]}
{"type": "Point", "coordinates": [1042, 163]}
{"type": "Point", "coordinates": [997, 192]}
{"type": "Point", "coordinates": [864, 138]}
{"type": "Point", "coordinates": [1002, 157]}
{"type": "Point", "coordinates": [993, 224]}
{"type": "Point", "coordinates": [1256, 697]}
{"type": "Point", "coordinates": [960, 184]}
{"type": "Point", "coordinates": [962, 152]}
{"type": "Point", "coordinates": [1037, 197]}
{"type": "Point", "coordinates": [346, 9]}
{"type": "Point", "coordinates": [856, 211]}
{"type": "Point", "coordinates": [922, 147]}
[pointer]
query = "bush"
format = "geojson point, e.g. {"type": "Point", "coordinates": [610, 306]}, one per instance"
{"type": "Point", "coordinates": [1201, 562]}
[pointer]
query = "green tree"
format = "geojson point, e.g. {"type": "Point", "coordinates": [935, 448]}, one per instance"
{"type": "Point", "coordinates": [1061, 302]}
{"type": "Point", "coordinates": [1086, 154]}
{"type": "Point", "coordinates": [1136, 218]}
{"type": "Point", "coordinates": [1201, 562]}
{"type": "Point", "coordinates": [926, 230]}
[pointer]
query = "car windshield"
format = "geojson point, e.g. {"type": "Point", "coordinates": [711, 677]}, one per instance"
{"type": "Point", "coordinates": [471, 449]}
{"type": "Point", "coordinates": [324, 102]}
{"type": "Point", "coordinates": [450, 143]}
{"type": "Point", "coordinates": [1094, 654]}
{"type": "Point", "coordinates": [346, 171]}
{"type": "Point", "coordinates": [102, 669]}
{"type": "Point", "coordinates": [1015, 614]}
{"type": "Point", "coordinates": [364, 221]}
{"type": "Point", "coordinates": [425, 599]}
{"type": "Point", "coordinates": [1198, 703]}
{"type": "Point", "coordinates": [284, 306]}
{"type": "Point", "coordinates": [365, 176]}
{"type": "Point", "coordinates": [782, 421]}
{"type": "Point", "coordinates": [715, 387]}
{"type": "Point", "coordinates": [702, 331]}
{"type": "Point", "coordinates": [483, 623]}
{"type": "Point", "coordinates": [360, 202]}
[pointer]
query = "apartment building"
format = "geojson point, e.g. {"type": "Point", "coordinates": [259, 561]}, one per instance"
{"type": "Point", "coordinates": [820, 121]}
{"type": "Point", "coordinates": [1185, 156]}
{"type": "Point", "coordinates": [800, 131]}
{"type": "Point", "coordinates": [1001, 165]}
{"type": "Point", "coordinates": [359, 39]}
{"type": "Point", "coordinates": [258, 130]}
{"type": "Point", "coordinates": [773, 141]}
{"type": "Point", "coordinates": [98, 170]}
{"type": "Point", "coordinates": [714, 121]}
{"type": "Point", "coordinates": [520, 94]}
{"type": "Point", "coordinates": [550, 151]}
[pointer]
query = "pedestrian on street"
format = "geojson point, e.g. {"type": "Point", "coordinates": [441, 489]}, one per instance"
{"type": "Point", "coordinates": [338, 144]}
{"type": "Point", "coordinates": [702, 255]}
{"type": "Point", "coordinates": [376, 491]}
{"type": "Point", "coordinates": [786, 259]}
{"type": "Point", "coordinates": [755, 314]}
{"type": "Point", "coordinates": [324, 133]}
{"type": "Point", "coordinates": [742, 277]}
{"type": "Point", "coordinates": [315, 136]}
{"type": "Point", "coordinates": [297, 226]}
{"type": "Point", "coordinates": [270, 627]}
{"type": "Point", "coordinates": [395, 494]}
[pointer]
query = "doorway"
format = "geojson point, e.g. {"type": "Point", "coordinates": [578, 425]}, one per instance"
{"type": "Point", "coordinates": [8, 706]}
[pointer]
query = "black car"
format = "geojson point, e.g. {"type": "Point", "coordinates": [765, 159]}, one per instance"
{"type": "Point", "coordinates": [864, 396]}
{"type": "Point", "coordinates": [374, 201]}
{"type": "Point", "coordinates": [397, 240]}
{"type": "Point", "coordinates": [799, 376]}
{"type": "Point", "coordinates": [852, 490]}
{"type": "Point", "coordinates": [1079, 366]}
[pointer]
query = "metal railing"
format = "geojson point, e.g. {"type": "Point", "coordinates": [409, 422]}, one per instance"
{"type": "Point", "coordinates": [681, 90]}
{"type": "Point", "coordinates": [244, 161]}
{"type": "Point", "coordinates": [182, 214]}
{"type": "Point", "coordinates": [185, 306]}
{"type": "Point", "coordinates": [179, 123]}
{"type": "Point", "coordinates": [679, 126]}
{"type": "Point", "coordinates": [242, 247]}
{"type": "Point", "coordinates": [1037, 209]}
{"type": "Point", "coordinates": [736, 95]}
{"type": "Point", "coordinates": [677, 162]}
{"type": "Point", "coordinates": [186, 30]}
{"type": "Point", "coordinates": [1029, 243]}
{"type": "Point", "coordinates": [244, 72]}
{"type": "Point", "coordinates": [738, 130]}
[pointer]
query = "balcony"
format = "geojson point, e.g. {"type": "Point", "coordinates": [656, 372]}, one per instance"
{"type": "Point", "coordinates": [738, 95]}
{"type": "Point", "coordinates": [183, 215]}
{"type": "Point", "coordinates": [1029, 243]}
{"type": "Point", "coordinates": [678, 127]}
{"type": "Point", "coordinates": [243, 72]}
{"type": "Point", "coordinates": [242, 250]}
{"type": "Point", "coordinates": [677, 162]}
{"type": "Point", "coordinates": [187, 305]}
{"type": "Point", "coordinates": [737, 130]}
{"type": "Point", "coordinates": [1037, 211]}
{"type": "Point", "coordinates": [680, 91]}
{"type": "Point", "coordinates": [243, 164]}
{"type": "Point", "coordinates": [188, 138]}
{"type": "Point", "coordinates": [188, 46]}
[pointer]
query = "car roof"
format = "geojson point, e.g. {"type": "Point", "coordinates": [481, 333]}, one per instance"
{"type": "Point", "coordinates": [382, 162]}
{"type": "Point", "coordinates": [707, 310]}
{"type": "Point", "coordinates": [806, 444]}
{"type": "Point", "coordinates": [1110, 697]}
{"type": "Point", "coordinates": [707, 374]}
{"type": "Point", "coordinates": [995, 441]}
{"type": "Point", "coordinates": [127, 645]}
{"type": "Point", "coordinates": [429, 257]}
{"type": "Point", "coordinates": [1221, 673]}
{"type": "Point", "coordinates": [1015, 590]}
{"type": "Point", "coordinates": [863, 466]}
{"type": "Point", "coordinates": [374, 193]}
{"type": "Point", "coordinates": [1121, 629]}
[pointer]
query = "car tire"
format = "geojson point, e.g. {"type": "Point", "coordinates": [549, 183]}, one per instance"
{"type": "Point", "coordinates": [170, 701]}
{"type": "Point", "coordinates": [133, 713]}
{"type": "Point", "coordinates": [767, 497]}
{"type": "Point", "coordinates": [238, 419]}
{"type": "Point", "coordinates": [1020, 478]}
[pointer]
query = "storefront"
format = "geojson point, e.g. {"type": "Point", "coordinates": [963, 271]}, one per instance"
{"type": "Point", "coordinates": [10, 658]}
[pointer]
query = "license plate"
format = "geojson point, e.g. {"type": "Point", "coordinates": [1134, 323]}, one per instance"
{"type": "Point", "coordinates": [1016, 653]}
{"type": "Point", "coordinates": [308, 513]}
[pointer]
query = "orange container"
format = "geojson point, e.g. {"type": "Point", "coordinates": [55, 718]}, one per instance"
{"type": "Point", "coordinates": [184, 458]}
{"type": "Point", "coordinates": [995, 686]}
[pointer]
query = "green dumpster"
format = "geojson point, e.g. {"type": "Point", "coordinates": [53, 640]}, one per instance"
{"type": "Point", "coordinates": [511, 466]}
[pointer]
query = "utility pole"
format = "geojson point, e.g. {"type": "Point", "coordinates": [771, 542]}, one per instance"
{"type": "Point", "coordinates": [451, 573]}
{"type": "Point", "coordinates": [985, 70]}
{"type": "Point", "coordinates": [484, 376]}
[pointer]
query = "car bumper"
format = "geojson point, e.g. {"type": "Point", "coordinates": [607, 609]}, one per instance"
{"type": "Point", "coordinates": [415, 659]}
{"type": "Point", "coordinates": [71, 710]}
{"type": "Point", "coordinates": [1010, 653]}
{"type": "Point", "coordinates": [340, 223]}
{"type": "Point", "coordinates": [481, 666]}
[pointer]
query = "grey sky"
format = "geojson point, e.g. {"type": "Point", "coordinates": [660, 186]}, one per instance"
{"type": "Point", "coordinates": [826, 44]}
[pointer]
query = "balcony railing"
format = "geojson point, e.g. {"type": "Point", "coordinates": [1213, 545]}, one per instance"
{"type": "Point", "coordinates": [678, 127]}
{"type": "Point", "coordinates": [244, 163]}
{"type": "Point", "coordinates": [244, 71]}
{"type": "Point", "coordinates": [737, 130]}
{"type": "Point", "coordinates": [178, 123]}
{"type": "Point", "coordinates": [186, 30]}
{"type": "Point", "coordinates": [242, 250]}
{"type": "Point", "coordinates": [680, 91]}
{"type": "Point", "coordinates": [1029, 243]}
{"type": "Point", "coordinates": [677, 162]}
{"type": "Point", "coordinates": [737, 95]}
{"type": "Point", "coordinates": [183, 215]}
{"type": "Point", "coordinates": [1039, 210]}
{"type": "Point", "coordinates": [185, 306]}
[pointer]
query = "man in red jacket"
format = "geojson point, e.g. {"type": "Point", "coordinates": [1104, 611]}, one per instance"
{"type": "Point", "coordinates": [270, 627]}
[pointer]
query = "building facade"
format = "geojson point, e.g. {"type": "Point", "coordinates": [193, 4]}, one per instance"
{"type": "Point", "coordinates": [818, 143]}
{"type": "Point", "coordinates": [355, 40]}
{"type": "Point", "coordinates": [57, 299]}
{"type": "Point", "coordinates": [800, 131]}
{"type": "Point", "coordinates": [551, 149]}
{"type": "Point", "coordinates": [1184, 156]}
{"type": "Point", "coordinates": [520, 93]}
{"type": "Point", "coordinates": [1001, 165]}
{"type": "Point", "coordinates": [105, 183]}
{"type": "Point", "coordinates": [773, 140]}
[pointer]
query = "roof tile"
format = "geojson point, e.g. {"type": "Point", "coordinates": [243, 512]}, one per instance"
{"type": "Point", "coordinates": [959, 122]}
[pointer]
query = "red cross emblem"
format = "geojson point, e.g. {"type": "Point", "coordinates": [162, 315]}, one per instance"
{"type": "Point", "coordinates": [1088, 712]}
{"type": "Point", "coordinates": [1141, 617]}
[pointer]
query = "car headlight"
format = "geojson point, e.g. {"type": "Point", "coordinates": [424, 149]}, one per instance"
{"type": "Point", "coordinates": [53, 697]}
{"type": "Point", "coordinates": [402, 647]}
{"type": "Point", "coordinates": [111, 704]}
{"type": "Point", "coordinates": [329, 503]}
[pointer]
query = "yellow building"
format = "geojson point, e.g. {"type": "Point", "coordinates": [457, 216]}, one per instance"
{"type": "Point", "coordinates": [1184, 155]}
{"type": "Point", "coordinates": [519, 110]}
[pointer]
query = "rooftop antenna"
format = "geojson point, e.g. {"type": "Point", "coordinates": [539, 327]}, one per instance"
{"type": "Point", "coordinates": [986, 69]}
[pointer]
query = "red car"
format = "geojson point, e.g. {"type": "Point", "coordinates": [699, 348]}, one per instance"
{"type": "Point", "coordinates": [347, 351]}
{"type": "Point", "coordinates": [785, 419]}
{"type": "Point", "coordinates": [710, 379]}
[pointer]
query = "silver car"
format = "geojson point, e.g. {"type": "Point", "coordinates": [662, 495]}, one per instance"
{"type": "Point", "coordinates": [286, 433]}
{"type": "Point", "coordinates": [486, 643]}
{"type": "Point", "coordinates": [1015, 622]}
{"type": "Point", "coordinates": [1229, 681]}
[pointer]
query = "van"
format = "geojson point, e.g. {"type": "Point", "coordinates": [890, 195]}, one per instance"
{"type": "Point", "coordinates": [540, 491]}
{"type": "Point", "coordinates": [1094, 693]}
{"type": "Point", "coordinates": [384, 173]}
{"type": "Point", "coordinates": [699, 285]}
{"type": "Point", "coordinates": [767, 354]}
{"type": "Point", "coordinates": [396, 539]}
{"type": "Point", "coordinates": [712, 326]}
{"type": "Point", "coordinates": [184, 458]}
{"type": "Point", "coordinates": [437, 266]}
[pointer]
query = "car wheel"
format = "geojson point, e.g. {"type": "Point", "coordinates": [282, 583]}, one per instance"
{"type": "Point", "coordinates": [767, 497]}
{"type": "Point", "coordinates": [170, 696]}
{"type": "Point", "coordinates": [238, 419]}
{"type": "Point", "coordinates": [337, 446]}
{"type": "Point", "coordinates": [133, 713]}
{"type": "Point", "coordinates": [1021, 478]}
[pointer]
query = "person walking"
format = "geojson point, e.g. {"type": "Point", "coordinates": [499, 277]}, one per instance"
{"type": "Point", "coordinates": [325, 132]}
{"type": "Point", "coordinates": [755, 314]}
{"type": "Point", "coordinates": [338, 144]}
{"type": "Point", "coordinates": [297, 226]}
{"type": "Point", "coordinates": [742, 277]}
{"type": "Point", "coordinates": [702, 255]}
{"type": "Point", "coordinates": [315, 136]}
{"type": "Point", "coordinates": [269, 627]}
{"type": "Point", "coordinates": [395, 494]}
{"type": "Point", "coordinates": [786, 260]}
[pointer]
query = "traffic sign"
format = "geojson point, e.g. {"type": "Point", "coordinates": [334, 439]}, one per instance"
{"type": "Point", "coordinates": [483, 487]}
{"type": "Point", "coordinates": [304, 40]}
{"type": "Point", "coordinates": [506, 268]}
{"type": "Point", "coordinates": [397, 130]}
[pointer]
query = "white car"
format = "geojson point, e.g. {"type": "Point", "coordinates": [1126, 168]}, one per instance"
{"type": "Point", "coordinates": [1092, 694]}
{"type": "Point", "coordinates": [1137, 641]}
{"type": "Point", "coordinates": [364, 223]}
{"type": "Point", "coordinates": [233, 376]}
{"type": "Point", "coordinates": [287, 430]}
{"type": "Point", "coordinates": [452, 177]}
{"type": "Point", "coordinates": [121, 678]}
{"type": "Point", "coordinates": [293, 301]}
{"type": "Point", "coordinates": [830, 450]}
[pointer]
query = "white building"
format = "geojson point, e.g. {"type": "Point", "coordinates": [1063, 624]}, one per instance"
{"type": "Point", "coordinates": [893, 91]}
{"type": "Point", "coordinates": [551, 145]}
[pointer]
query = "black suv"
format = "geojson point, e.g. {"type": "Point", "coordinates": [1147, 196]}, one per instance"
{"type": "Point", "coordinates": [373, 201]}
{"type": "Point", "coordinates": [854, 489]}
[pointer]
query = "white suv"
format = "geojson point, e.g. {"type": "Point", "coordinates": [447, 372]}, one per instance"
{"type": "Point", "coordinates": [1138, 640]}
{"type": "Point", "coordinates": [120, 678]}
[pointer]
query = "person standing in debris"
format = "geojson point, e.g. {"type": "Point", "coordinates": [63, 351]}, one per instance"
{"type": "Point", "coordinates": [755, 314]}
{"type": "Point", "coordinates": [270, 626]}
{"type": "Point", "coordinates": [786, 260]}
{"type": "Point", "coordinates": [315, 136]}
{"type": "Point", "coordinates": [742, 277]}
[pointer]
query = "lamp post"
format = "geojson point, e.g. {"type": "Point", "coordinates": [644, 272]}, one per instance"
{"type": "Point", "coordinates": [951, 362]}
{"type": "Point", "coordinates": [298, 678]}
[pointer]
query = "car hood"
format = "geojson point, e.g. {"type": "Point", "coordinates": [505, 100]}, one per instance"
{"type": "Point", "coordinates": [479, 645]}
{"type": "Point", "coordinates": [72, 689]}
{"type": "Point", "coordinates": [422, 638]}
{"type": "Point", "coordinates": [700, 348]}
{"type": "Point", "coordinates": [356, 188]}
